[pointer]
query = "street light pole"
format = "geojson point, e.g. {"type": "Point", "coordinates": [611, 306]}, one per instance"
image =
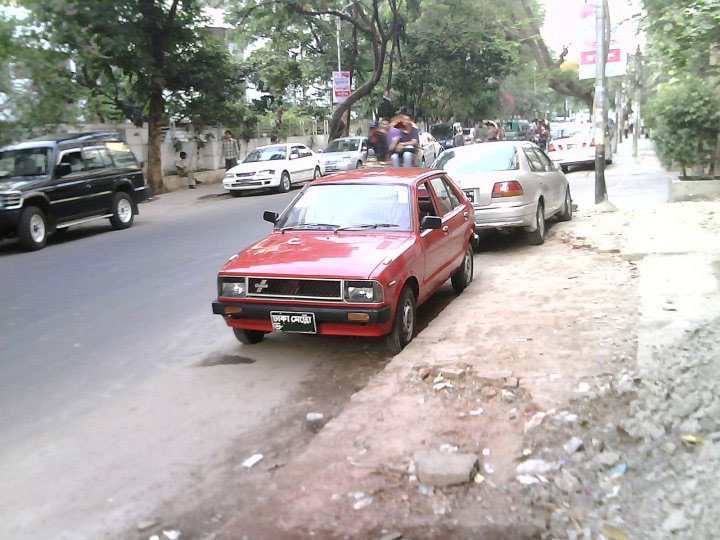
{"type": "Point", "coordinates": [638, 96]}
{"type": "Point", "coordinates": [600, 105]}
{"type": "Point", "coordinates": [337, 34]}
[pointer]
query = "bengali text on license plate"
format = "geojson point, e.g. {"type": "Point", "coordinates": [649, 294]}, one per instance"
{"type": "Point", "coordinates": [291, 321]}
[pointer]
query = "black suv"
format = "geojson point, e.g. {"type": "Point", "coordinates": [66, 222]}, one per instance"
{"type": "Point", "coordinates": [52, 183]}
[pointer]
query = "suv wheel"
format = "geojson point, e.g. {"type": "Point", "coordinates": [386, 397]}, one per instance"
{"type": "Point", "coordinates": [32, 228]}
{"type": "Point", "coordinates": [123, 211]}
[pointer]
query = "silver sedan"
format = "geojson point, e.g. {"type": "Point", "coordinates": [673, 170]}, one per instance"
{"type": "Point", "coordinates": [511, 184]}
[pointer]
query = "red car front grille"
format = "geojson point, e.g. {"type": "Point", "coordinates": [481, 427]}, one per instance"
{"type": "Point", "coordinates": [315, 289]}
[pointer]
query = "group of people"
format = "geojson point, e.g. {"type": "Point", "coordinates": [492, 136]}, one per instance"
{"type": "Point", "coordinates": [397, 140]}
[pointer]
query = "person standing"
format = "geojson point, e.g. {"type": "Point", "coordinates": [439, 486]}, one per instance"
{"type": "Point", "coordinates": [230, 150]}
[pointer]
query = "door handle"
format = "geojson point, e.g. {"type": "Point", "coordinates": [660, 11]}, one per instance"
{"type": "Point", "coordinates": [465, 215]}
{"type": "Point", "coordinates": [446, 229]}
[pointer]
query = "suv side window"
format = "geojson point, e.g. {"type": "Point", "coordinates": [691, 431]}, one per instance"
{"type": "Point", "coordinates": [532, 158]}
{"type": "Point", "coordinates": [96, 158]}
{"type": "Point", "coordinates": [442, 194]}
{"type": "Point", "coordinates": [121, 154]}
{"type": "Point", "coordinates": [74, 159]}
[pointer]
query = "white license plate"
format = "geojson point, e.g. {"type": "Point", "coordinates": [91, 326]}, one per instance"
{"type": "Point", "coordinates": [292, 321]}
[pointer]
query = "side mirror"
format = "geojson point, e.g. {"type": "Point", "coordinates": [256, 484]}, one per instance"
{"type": "Point", "coordinates": [431, 222]}
{"type": "Point", "coordinates": [272, 217]}
{"type": "Point", "coordinates": [62, 169]}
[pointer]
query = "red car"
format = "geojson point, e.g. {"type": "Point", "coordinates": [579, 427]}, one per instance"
{"type": "Point", "coordinates": [352, 255]}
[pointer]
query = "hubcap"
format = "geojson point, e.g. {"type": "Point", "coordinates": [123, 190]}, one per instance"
{"type": "Point", "coordinates": [407, 320]}
{"type": "Point", "coordinates": [540, 221]}
{"type": "Point", "coordinates": [124, 210]}
{"type": "Point", "coordinates": [468, 267]}
{"type": "Point", "coordinates": [286, 183]}
{"type": "Point", "coordinates": [37, 228]}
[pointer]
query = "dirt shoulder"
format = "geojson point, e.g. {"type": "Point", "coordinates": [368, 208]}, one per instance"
{"type": "Point", "coordinates": [534, 326]}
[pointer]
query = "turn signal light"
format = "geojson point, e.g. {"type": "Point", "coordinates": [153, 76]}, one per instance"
{"type": "Point", "coordinates": [551, 147]}
{"type": "Point", "coordinates": [358, 317]}
{"type": "Point", "coordinates": [231, 310]}
{"type": "Point", "coordinates": [507, 189]}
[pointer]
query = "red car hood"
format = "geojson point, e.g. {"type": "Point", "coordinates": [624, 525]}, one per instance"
{"type": "Point", "coordinates": [319, 254]}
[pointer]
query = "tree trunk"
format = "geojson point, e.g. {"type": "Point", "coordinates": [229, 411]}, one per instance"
{"type": "Point", "coordinates": [154, 168]}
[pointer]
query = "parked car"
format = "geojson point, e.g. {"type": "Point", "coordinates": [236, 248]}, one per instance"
{"type": "Point", "coordinates": [444, 134]}
{"type": "Point", "coordinates": [344, 154]}
{"type": "Point", "coordinates": [429, 149]}
{"type": "Point", "coordinates": [277, 166]}
{"type": "Point", "coordinates": [359, 269]}
{"type": "Point", "coordinates": [574, 144]}
{"type": "Point", "coordinates": [511, 184]}
{"type": "Point", "coordinates": [51, 183]}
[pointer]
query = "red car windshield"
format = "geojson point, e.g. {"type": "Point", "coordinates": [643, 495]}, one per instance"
{"type": "Point", "coordinates": [349, 206]}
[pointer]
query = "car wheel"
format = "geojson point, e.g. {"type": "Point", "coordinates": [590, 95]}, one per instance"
{"type": "Point", "coordinates": [403, 329]}
{"type": "Point", "coordinates": [358, 165]}
{"type": "Point", "coordinates": [317, 174]}
{"type": "Point", "coordinates": [123, 211]}
{"type": "Point", "coordinates": [537, 237]}
{"type": "Point", "coordinates": [248, 337]}
{"type": "Point", "coordinates": [566, 212]}
{"type": "Point", "coordinates": [32, 228]}
{"type": "Point", "coordinates": [284, 186]}
{"type": "Point", "coordinates": [564, 168]}
{"type": "Point", "coordinates": [464, 275]}
{"type": "Point", "coordinates": [236, 193]}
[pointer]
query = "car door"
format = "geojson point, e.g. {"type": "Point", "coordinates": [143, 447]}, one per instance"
{"type": "Point", "coordinates": [68, 193]}
{"type": "Point", "coordinates": [435, 242]}
{"type": "Point", "coordinates": [554, 181]}
{"type": "Point", "coordinates": [537, 172]}
{"type": "Point", "coordinates": [309, 161]}
{"type": "Point", "coordinates": [454, 221]}
{"type": "Point", "coordinates": [101, 178]}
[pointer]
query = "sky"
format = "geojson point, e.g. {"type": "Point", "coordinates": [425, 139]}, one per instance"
{"type": "Point", "coordinates": [564, 26]}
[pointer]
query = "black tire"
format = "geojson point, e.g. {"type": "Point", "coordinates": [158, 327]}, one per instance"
{"type": "Point", "coordinates": [463, 276]}
{"type": "Point", "coordinates": [32, 228]}
{"type": "Point", "coordinates": [537, 237]}
{"type": "Point", "coordinates": [566, 212]}
{"type": "Point", "coordinates": [248, 337]}
{"type": "Point", "coordinates": [123, 211]}
{"type": "Point", "coordinates": [404, 325]}
{"type": "Point", "coordinates": [317, 174]}
{"type": "Point", "coordinates": [564, 168]}
{"type": "Point", "coordinates": [358, 165]}
{"type": "Point", "coordinates": [236, 193]}
{"type": "Point", "coordinates": [285, 183]}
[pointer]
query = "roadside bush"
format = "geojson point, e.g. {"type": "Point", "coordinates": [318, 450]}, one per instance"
{"type": "Point", "coordinates": [685, 116]}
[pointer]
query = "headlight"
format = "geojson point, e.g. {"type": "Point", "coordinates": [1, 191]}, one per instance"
{"type": "Point", "coordinates": [268, 171]}
{"type": "Point", "coordinates": [229, 176]}
{"type": "Point", "coordinates": [368, 292]}
{"type": "Point", "coordinates": [232, 287]}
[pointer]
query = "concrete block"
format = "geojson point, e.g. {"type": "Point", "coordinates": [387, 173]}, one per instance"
{"type": "Point", "coordinates": [694, 190]}
{"type": "Point", "coordinates": [435, 468]}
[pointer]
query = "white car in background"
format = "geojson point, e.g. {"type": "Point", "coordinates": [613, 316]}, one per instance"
{"type": "Point", "coordinates": [430, 149]}
{"type": "Point", "coordinates": [574, 144]}
{"type": "Point", "coordinates": [276, 166]}
{"type": "Point", "coordinates": [344, 154]}
{"type": "Point", "coordinates": [511, 184]}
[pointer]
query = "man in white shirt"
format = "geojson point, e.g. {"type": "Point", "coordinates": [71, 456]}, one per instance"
{"type": "Point", "coordinates": [182, 166]}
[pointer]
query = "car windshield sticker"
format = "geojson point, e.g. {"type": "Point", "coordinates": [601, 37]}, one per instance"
{"type": "Point", "coordinates": [402, 194]}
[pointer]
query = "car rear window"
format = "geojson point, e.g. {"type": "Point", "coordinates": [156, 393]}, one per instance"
{"type": "Point", "coordinates": [121, 154]}
{"type": "Point", "coordinates": [485, 157]}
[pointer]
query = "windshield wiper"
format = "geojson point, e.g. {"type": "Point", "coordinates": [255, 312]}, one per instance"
{"type": "Point", "coordinates": [309, 226]}
{"type": "Point", "coordinates": [366, 226]}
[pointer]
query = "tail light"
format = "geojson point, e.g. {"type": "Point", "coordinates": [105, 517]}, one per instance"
{"type": "Point", "coordinates": [551, 147]}
{"type": "Point", "coordinates": [507, 189]}
{"type": "Point", "coordinates": [584, 144]}
{"type": "Point", "coordinates": [592, 143]}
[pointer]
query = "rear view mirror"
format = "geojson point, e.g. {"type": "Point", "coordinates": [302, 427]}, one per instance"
{"type": "Point", "coordinates": [431, 222]}
{"type": "Point", "coordinates": [62, 169]}
{"type": "Point", "coordinates": [272, 217]}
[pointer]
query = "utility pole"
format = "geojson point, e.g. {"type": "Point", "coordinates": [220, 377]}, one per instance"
{"type": "Point", "coordinates": [600, 105]}
{"type": "Point", "coordinates": [638, 97]}
{"type": "Point", "coordinates": [621, 121]}
{"type": "Point", "coordinates": [337, 34]}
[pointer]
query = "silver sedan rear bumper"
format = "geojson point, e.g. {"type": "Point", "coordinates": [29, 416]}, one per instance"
{"type": "Point", "coordinates": [502, 216]}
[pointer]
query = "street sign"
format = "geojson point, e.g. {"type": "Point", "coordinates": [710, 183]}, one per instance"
{"type": "Point", "coordinates": [617, 59]}
{"type": "Point", "coordinates": [341, 86]}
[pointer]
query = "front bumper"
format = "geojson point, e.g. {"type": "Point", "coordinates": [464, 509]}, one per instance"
{"type": "Point", "coordinates": [331, 320]}
{"type": "Point", "coordinates": [339, 166]}
{"type": "Point", "coordinates": [8, 221]}
{"type": "Point", "coordinates": [251, 182]}
{"type": "Point", "coordinates": [502, 216]}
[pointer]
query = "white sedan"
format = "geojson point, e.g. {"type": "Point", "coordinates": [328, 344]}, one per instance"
{"type": "Point", "coordinates": [574, 144]}
{"type": "Point", "coordinates": [511, 184]}
{"type": "Point", "coordinates": [277, 166]}
{"type": "Point", "coordinates": [429, 149]}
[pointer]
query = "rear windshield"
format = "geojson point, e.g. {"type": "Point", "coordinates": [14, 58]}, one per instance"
{"type": "Point", "coordinates": [441, 132]}
{"type": "Point", "coordinates": [485, 157]}
{"type": "Point", "coordinates": [342, 145]}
